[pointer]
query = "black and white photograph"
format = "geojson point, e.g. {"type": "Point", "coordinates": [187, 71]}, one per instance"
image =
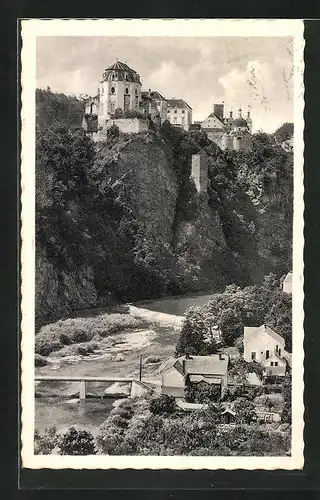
{"type": "Point", "coordinates": [162, 244]}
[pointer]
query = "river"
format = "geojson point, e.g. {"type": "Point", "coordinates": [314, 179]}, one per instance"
{"type": "Point", "coordinates": [158, 339]}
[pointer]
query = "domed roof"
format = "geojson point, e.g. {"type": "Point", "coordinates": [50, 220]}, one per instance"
{"type": "Point", "coordinates": [121, 72]}
{"type": "Point", "coordinates": [240, 122]}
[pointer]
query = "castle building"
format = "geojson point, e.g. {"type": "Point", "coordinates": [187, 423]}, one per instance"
{"type": "Point", "coordinates": [157, 104]}
{"type": "Point", "coordinates": [179, 113]}
{"type": "Point", "coordinates": [228, 132]}
{"type": "Point", "coordinates": [120, 88]}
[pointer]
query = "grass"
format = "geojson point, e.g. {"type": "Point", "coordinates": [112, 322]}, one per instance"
{"type": "Point", "coordinates": [85, 331]}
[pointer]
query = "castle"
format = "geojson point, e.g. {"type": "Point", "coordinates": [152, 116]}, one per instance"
{"type": "Point", "coordinates": [120, 101]}
{"type": "Point", "coordinates": [228, 132]}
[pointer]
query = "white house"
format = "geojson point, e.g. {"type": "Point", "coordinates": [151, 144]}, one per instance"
{"type": "Point", "coordinates": [264, 345]}
{"type": "Point", "coordinates": [179, 113]}
{"type": "Point", "coordinates": [176, 373]}
{"type": "Point", "coordinates": [287, 284]}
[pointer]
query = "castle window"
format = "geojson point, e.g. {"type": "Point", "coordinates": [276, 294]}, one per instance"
{"type": "Point", "coordinates": [253, 356]}
{"type": "Point", "coordinates": [168, 111]}
{"type": "Point", "coordinates": [182, 111]}
{"type": "Point", "coordinates": [113, 90]}
{"type": "Point", "coordinates": [126, 77]}
{"type": "Point", "coordinates": [267, 354]}
{"type": "Point", "coordinates": [113, 76]}
{"type": "Point", "coordinates": [271, 364]}
{"type": "Point", "coordinates": [175, 110]}
{"type": "Point", "coordinates": [136, 91]}
{"type": "Point", "coordinates": [127, 91]}
{"type": "Point", "coordinates": [276, 363]}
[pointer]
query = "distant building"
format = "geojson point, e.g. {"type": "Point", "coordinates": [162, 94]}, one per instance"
{"type": "Point", "coordinates": [227, 132]}
{"type": "Point", "coordinates": [265, 346]}
{"type": "Point", "coordinates": [119, 91]}
{"type": "Point", "coordinates": [179, 113]}
{"type": "Point", "coordinates": [287, 284]}
{"type": "Point", "coordinates": [288, 145]}
{"type": "Point", "coordinates": [159, 102]}
{"type": "Point", "coordinates": [176, 373]}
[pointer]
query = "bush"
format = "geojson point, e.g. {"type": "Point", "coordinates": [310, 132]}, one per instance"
{"type": "Point", "coordinates": [54, 336]}
{"type": "Point", "coordinates": [45, 442]}
{"type": "Point", "coordinates": [40, 360]}
{"type": "Point", "coordinates": [77, 442]}
{"type": "Point", "coordinates": [162, 405]}
{"type": "Point", "coordinates": [202, 393]}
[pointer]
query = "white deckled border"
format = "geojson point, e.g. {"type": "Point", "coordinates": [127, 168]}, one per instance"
{"type": "Point", "coordinates": [191, 28]}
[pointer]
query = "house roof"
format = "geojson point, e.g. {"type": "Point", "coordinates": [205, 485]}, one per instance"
{"type": "Point", "coordinates": [252, 332]}
{"type": "Point", "coordinates": [121, 72]}
{"type": "Point", "coordinates": [178, 103]}
{"type": "Point", "coordinates": [288, 277]}
{"type": "Point", "coordinates": [154, 94]}
{"type": "Point", "coordinates": [198, 365]}
{"type": "Point", "coordinates": [273, 357]}
{"type": "Point", "coordinates": [213, 115]}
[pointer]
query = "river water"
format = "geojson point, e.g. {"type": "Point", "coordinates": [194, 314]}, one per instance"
{"type": "Point", "coordinates": [158, 340]}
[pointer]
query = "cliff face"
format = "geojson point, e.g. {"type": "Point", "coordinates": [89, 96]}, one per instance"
{"type": "Point", "coordinates": [134, 225]}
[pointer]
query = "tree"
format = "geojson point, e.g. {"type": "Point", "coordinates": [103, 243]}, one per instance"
{"type": "Point", "coordinates": [162, 405]}
{"type": "Point", "coordinates": [279, 316]}
{"type": "Point", "coordinates": [245, 412]}
{"type": "Point", "coordinates": [193, 338]}
{"type": "Point", "coordinates": [284, 132]}
{"type": "Point", "coordinates": [77, 442]}
{"type": "Point", "coordinates": [46, 441]}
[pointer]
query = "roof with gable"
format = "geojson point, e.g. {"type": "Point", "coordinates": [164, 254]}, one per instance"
{"type": "Point", "coordinates": [214, 364]}
{"type": "Point", "coordinates": [120, 71]}
{"type": "Point", "coordinates": [154, 94]}
{"type": "Point", "coordinates": [252, 332]}
{"type": "Point", "coordinates": [213, 115]}
{"type": "Point", "coordinates": [178, 103]}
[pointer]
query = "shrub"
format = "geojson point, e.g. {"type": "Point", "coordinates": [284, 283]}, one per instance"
{"type": "Point", "coordinates": [245, 411]}
{"type": "Point", "coordinates": [40, 360]}
{"type": "Point", "coordinates": [162, 405]}
{"type": "Point", "coordinates": [77, 442]}
{"type": "Point", "coordinates": [202, 393]}
{"type": "Point", "coordinates": [45, 442]}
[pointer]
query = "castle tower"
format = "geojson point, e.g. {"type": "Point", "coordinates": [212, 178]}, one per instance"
{"type": "Point", "coordinates": [120, 87]}
{"type": "Point", "coordinates": [199, 172]}
{"type": "Point", "coordinates": [218, 110]}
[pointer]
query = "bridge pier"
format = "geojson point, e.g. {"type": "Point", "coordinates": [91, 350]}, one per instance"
{"type": "Point", "coordinates": [82, 391]}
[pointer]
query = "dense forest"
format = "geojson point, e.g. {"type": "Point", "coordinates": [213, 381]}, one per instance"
{"type": "Point", "coordinates": [122, 220]}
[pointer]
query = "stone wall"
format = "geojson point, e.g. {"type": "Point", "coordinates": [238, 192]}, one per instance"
{"type": "Point", "coordinates": [130, 125]}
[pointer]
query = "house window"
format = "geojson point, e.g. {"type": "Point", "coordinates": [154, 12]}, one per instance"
{"type": "Point", "coordinates": [279, 352]}
{"type": "Point", "coordinates": [267, 354]}
{"type": "Point", "coordinates": [276, 363]}
{"type": "Point", "coordinates": [113, 90]}
{"type": "Point", "coordinates": [168, 111]}
{"type": "Point", "coordinates": [271, 364]}
{"type": "Point", "coordinates": [175, 110]}
{"type": "Point", "coordinates": [126, 77]}
{"type": "Point", "coordinates": [277, 347]}
{"type": "Point", "coordinates": [127, 91]}
{"type": "Point", "coordinates": [182, 111]}
{"type": "Point", "coordinates": [112, 107]}
{"type": "Point", "coordinates": [253, 355]}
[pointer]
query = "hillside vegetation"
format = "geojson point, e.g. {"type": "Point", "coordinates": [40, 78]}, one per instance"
{"type": "Point", "coordinates": [122, 220]}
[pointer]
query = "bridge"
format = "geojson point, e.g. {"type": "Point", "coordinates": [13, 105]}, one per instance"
{"type": "Point", "coordinates": [137, 386]}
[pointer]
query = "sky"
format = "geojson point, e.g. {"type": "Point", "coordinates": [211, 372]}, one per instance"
{"type": "Point", "coordinates": [252, 71]}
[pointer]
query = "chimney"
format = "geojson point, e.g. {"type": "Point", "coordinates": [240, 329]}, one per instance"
{"type": "Point", "coordinates": [240, 113]}
{"type": "Point", "coordinates": [184, 366]}
{"type": "Point", "coordinates": [149, 93]}
{"type": "Point", "coordinates": [248, 114]}
{"type": "Point", "coordinates": [231, 113]}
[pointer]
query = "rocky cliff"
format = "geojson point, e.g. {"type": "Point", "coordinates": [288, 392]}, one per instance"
{"type": "Point", "coordinates": [123, 220]}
